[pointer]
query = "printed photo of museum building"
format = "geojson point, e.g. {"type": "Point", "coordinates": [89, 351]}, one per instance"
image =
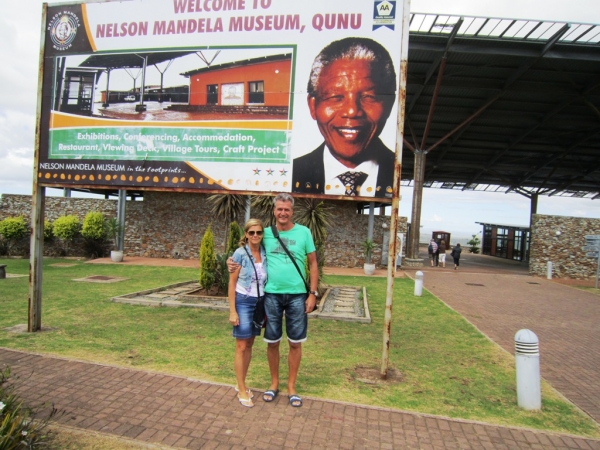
{"type": "Point", "coordinates": [259, 85]}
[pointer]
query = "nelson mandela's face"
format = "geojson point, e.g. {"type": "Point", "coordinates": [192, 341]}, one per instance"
{"type": "Point", "coordinates": [348, 110]}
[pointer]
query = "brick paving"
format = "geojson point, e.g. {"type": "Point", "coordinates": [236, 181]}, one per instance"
{"type": "Point", "coordinates": [184, 413]}
{"type": "Point", "coordinates": [179, 412]}
{"type": "Point", "coordinates": [565, 319]}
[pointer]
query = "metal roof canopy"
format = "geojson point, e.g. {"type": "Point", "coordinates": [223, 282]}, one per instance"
{"type": "Point", "coordinates": [131, 60]}
{"type": "Point", "coordinates": [511, 227]}
{"type": "Point", "coordinates": [503, 105]}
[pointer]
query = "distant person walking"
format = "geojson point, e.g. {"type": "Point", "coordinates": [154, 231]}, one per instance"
{"type": "Point", "coordinates": [442, 253]}
{"type": "Point", "coordinates": [456, 255]}
{"type": "Point", "coordinates": [432, 250]}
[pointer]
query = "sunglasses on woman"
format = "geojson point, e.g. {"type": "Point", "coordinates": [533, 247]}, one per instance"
{"type": "Point", "coordinates": [252, 233]}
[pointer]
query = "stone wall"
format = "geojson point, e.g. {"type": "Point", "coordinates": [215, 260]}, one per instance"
{"type": "Point", "coordinates": [171, 225]}
{"type": "Point", "coordinates": [560, 239]}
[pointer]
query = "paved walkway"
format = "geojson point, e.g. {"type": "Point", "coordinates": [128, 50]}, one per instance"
{"type": "Point", "coordinates": [499, 298]}
{"type": "Point", "coordinates": [184, 413]}
{"type": "Point", "coordinates": [180, 412]}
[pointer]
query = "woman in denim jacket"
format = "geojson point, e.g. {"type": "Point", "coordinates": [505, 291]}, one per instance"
{"type": "Point", "coordinates": [244, 291]}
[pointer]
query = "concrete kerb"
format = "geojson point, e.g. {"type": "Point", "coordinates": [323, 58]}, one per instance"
{"type": "Point", "coordinates": [154, 298]}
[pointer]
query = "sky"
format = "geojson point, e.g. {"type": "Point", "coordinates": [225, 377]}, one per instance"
{"type": "Point", "coordinates": [442, 210]}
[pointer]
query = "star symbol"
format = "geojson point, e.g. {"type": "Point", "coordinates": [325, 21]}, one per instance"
{"type": "Point", "coordinates": [283, 172]}
{"type": "Point", "coordinates": [257, 171]}
{"type": "Point", "coordinates": [270, 171]}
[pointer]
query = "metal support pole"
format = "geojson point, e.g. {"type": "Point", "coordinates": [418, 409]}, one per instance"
{"type": "Point", "coordinates": [106, 103]}
{"type": "Point", "coordinates": [141, 107]}
{"type": "Point", "coordinates": [415, 220]}
{"type": "Point", "coordinates": [122, 202]}
{"type": "Point", "coordinates": [143, 86]}
{"type": "Point", "coordinates": [533, 208]}
{"type": "Point", "coordinates": [371, 221]}
{"type": "Point", "coordinates": [34, 322]}
{"type": "Point", "coordinates": [393, 243]}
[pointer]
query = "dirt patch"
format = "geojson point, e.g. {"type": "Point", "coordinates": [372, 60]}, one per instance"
{"type": "Point", "coordinates": [372, 375]}
{"type": "Point", "coordinates": [100, 279]}
{"type": "Point", "coordinates": [22, 328]}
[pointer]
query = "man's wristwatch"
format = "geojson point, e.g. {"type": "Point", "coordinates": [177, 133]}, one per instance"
{"type": "Point", "coordinates": [315, 293]}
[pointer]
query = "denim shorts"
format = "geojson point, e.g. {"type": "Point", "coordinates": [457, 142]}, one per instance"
{"type": "Point", "coordinates": [244, 305]}
{"type": "Point", "coordinates": [296, 319]}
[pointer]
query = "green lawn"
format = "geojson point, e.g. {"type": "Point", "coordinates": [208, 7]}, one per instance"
{"type": "Point", "coordinates": [446, 366]}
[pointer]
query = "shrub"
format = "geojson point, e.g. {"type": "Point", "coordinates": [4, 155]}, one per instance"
{"type": "Point", "coordinates": [207, 260]}
{"type": "Point", "coordinates": [66, 228]}
{"type": "Point", "coordinates": [368, 246]}
{"type": "Point", "coordinates": [221, 273]}
{"type": "Point", "coordinates": [48, 232]}
{"type": "Point", "coordinates": [474, 243]}
{"type": "Point", "coordinates": [13, 230]}
{"type": "Point", "coordinates": [18, 429]}
{"type": "Point", "coordinates": [94, 233]}
{"type": "Point", "coordinates": [113, 230]}
{"type": "Point", "coordinates": [94, 226]}
{"type": "Point", "coordinates": [235, 234]}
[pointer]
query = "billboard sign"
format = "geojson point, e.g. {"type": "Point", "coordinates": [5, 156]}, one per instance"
{"type": "Point", "coordinates": [222, 95]}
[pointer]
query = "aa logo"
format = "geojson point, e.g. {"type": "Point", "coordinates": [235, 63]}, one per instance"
{"type": "Point", "coordinates": [384, 14]}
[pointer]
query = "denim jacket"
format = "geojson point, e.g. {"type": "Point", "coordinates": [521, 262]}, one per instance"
{"type": "Point", "coordinates": [247, 271]}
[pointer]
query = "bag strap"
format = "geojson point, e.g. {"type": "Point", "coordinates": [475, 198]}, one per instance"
{"type": "Point", "coordinates": [255, 272]}
{"type": "Point", "coordinates": [276, 234]}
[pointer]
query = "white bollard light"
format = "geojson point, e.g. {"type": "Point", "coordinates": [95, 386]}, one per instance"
{"type": "Point", "coordinates": [527, 359]}
{"type": "Point", "coordinates": [549, 270]}
{"type": "Point", "coordinates": [418, 283]}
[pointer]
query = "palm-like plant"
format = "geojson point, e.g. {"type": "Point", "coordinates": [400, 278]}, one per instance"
{"type": "Point", "coordinates": [314, 215]}
{"type": "Point", "coordinates": [262, 208]}
{"type": "Point", "coordinates": [227, 207]}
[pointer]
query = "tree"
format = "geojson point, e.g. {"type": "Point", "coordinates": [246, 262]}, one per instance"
{"type": "Point", "coordinates": [474, 243]}
{"type": "Point", "coordinates": [207, 260]}
{"type": "Point", "coordinates": [227, 207]}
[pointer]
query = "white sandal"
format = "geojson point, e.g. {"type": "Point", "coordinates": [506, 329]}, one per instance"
{"type": "Point", "coordinates": [247, 402]}
{"type": "Point", "coordinates": [249, 392]}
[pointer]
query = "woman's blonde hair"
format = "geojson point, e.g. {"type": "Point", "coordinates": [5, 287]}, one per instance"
{"type": "Point", "coordinates": [251, 223]}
